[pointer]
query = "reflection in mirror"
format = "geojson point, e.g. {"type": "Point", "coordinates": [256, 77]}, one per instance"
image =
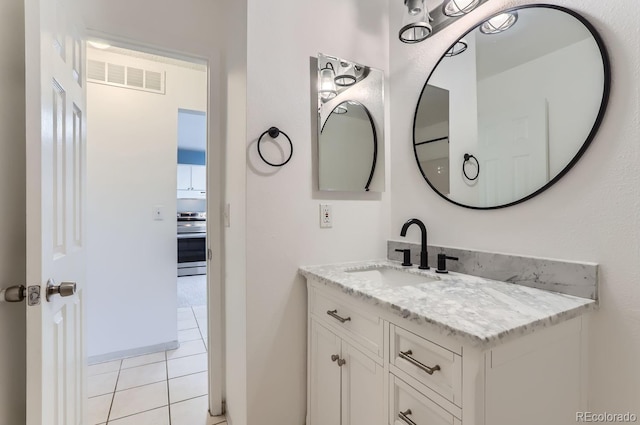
{"type": "Point", "coordinates": [524, 102]}
{"type": "Point", "coordinates": [350, 126]}
{"type": "Point", "coordinates": [348, 142]}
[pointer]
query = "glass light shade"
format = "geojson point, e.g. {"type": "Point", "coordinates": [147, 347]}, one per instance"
{"type": "Point", "coordinates": [327, 89]}
{"type": "Point", "coordinates": [340, 109]}
{"type": "Point", "coordinates": [459, 7]}
{"type": "Point", "coordinates": [346, 75]}
{"type": "Point", "coordinates": [499, 23]}
{"type": "Point", "coordinates": [416, 25]}
{"type": "Point", "coordinates": [414, 7]}
{"type": "Point", "coordinates": [460, 46]}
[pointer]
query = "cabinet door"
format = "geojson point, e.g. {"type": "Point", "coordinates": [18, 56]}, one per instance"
{"type": "Point", "coordinates": [199, 177]}
{"type": "Point", "coordinates": [362, 389]}
{"type": "Point", "coordinates": [324, 387]}
{"type": "Point", "coordinates": [184, 177]}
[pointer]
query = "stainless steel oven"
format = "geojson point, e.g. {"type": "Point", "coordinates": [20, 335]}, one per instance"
{"type": "Point", "coordinates": [192, 243]}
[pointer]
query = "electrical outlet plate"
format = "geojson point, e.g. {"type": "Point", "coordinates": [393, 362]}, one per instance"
{"type": "Point", "coordinates": [326, 216]}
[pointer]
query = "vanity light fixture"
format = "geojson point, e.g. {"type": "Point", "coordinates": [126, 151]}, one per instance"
{"type": "Point", "coordinates": [460, 46]}
{"type": "Point", "coordinates": [499, 23]}
{"type": "Point", "coordinates": [327, 89]}
{"type": "Point", "coordinates": [416, 22]}
{"type": "Point", "coordinates": [459, 7]}
{"type": "Point", "coordinates": [346, 75]}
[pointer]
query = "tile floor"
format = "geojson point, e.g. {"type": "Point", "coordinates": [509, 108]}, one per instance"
{"type": "Point", "coordinates": [166, 388]}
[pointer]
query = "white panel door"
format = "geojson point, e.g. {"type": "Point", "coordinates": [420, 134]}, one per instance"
{"type": "Point", "coordinates": [362, 389]}
{"type": "Point", "coordinates": [513, 150]}
{"type": "Point", "coordinates": [325, 376]}
{"type": "Point", "coordinates": [55, 139]}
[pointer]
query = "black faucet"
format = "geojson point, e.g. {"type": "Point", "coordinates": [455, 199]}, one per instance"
{"type": "Point", "coordinates": [424, 262]}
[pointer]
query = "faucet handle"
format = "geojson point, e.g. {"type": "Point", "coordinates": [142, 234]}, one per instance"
{"type": "Point", "coordinates": [442, 263]}
{"type": "Point", "coordinates": [406, 259]}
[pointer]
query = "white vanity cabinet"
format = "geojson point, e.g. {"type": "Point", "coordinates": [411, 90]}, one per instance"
{"type": "Point", "coordinates": [346, 385]}
{"type": "Point", "coordinates": [369, 365]}
{"type": "Point", "coordinates": [346, 378]}
{"type": "Point", "coordinates": [192, 181]}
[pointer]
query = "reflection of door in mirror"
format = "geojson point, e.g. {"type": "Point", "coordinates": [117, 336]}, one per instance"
{"type": "Point", "coordinates": [513, 149]}
{"type": "Point", "coordinates": [432, 139]}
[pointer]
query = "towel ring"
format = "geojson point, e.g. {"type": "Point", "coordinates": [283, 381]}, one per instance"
{"type": "Point", "coordinates": [273, 133]}
{"type": "Point", "coordinates": [467, 158]}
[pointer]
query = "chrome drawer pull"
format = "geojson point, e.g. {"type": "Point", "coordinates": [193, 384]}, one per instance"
{"type": "Point", "coordinates": [405, 417]}
{"type": "Point", "coordinates": [333, 313]}
{"type": "Point", "coordinates": [407, 356]}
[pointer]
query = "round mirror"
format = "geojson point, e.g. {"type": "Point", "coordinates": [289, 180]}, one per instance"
{"type": "Point", "coordinates": [347, 148]}
{"type": "Point", "coordinates": [511, 106]}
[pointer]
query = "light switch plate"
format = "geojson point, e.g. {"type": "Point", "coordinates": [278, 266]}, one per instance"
{"type": "Point", "coordinates": [158, 212]}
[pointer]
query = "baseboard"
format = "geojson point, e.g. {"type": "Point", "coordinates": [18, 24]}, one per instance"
{"type": "Point", "coordinates": [117, 355]}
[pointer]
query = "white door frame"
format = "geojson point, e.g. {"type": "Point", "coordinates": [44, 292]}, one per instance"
{"type": "Point", "coordinates": [215, 192]}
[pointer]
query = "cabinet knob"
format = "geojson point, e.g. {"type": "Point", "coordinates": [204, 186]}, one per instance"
{"type": "Point", "coordinates": [336, 358]}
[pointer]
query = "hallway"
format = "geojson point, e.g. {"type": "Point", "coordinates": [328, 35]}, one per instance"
{"type": "Point", "coordinates": [166, 388]}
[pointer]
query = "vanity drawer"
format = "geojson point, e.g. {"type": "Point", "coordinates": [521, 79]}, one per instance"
{"type": "Point", "coordinates": [364, 328]}
{"type": "Point", "coordinates": [428, 363]}
{"type": "Point", "coordinates": [409, 407]}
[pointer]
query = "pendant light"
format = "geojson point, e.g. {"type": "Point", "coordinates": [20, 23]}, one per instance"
{"type": "Point", "coordinates": [416, 22]}
{"type": "Point", "coordinates": [327, 89]}
{"type": "Point", "coordinates": [459, 7]}
{"type": "Point", "coordinates": [499, 23]}
{"type": "Point", "coordinates": [346, 75]}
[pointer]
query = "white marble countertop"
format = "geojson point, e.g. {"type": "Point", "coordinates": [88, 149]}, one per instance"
{"type": "Point", "coordinates": [476, 310]}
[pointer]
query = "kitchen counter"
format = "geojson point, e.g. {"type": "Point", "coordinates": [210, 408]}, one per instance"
{"type": "Point", "coordinates": [476, 310]}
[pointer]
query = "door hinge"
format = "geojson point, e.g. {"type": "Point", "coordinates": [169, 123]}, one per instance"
{"type": "Point", "coordinates": [209, 254]}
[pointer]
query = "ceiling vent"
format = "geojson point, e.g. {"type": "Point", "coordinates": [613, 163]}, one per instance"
{"type": "Point", "coordinates": [126, 77]}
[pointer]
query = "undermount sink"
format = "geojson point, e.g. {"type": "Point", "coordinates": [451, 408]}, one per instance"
{"type": "Point", "coordinates": [392, 277]}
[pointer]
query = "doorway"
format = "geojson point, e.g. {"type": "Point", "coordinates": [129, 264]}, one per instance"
{"type": "Point", "coordinates": [147, 328]}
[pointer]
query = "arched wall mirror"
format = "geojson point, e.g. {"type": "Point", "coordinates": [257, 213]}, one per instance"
{"type": "Point", "coordinates": [511, 106]}
{"type": "Point", "coordinates": [350, 126]}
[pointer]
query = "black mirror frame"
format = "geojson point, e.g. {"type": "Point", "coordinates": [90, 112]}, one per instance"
{"type": "Point", "coordinates": [594, 129]}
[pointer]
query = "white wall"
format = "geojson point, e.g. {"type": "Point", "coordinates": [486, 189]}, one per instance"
{"type": "Point", "coordinates": [234, 117]}
{"type": "Point", "coordinates": [592, 214]}
{"type": "Point", "coordinates": [282, 204]}
{"type": "Point", "coordinates": [12, 217]}
{"type": "Point", "coordinates": [131, 168]}
{"type": "Point", "coordinates": [572, 107]}
{"type": "Point", "coordinates": [346, 151]}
